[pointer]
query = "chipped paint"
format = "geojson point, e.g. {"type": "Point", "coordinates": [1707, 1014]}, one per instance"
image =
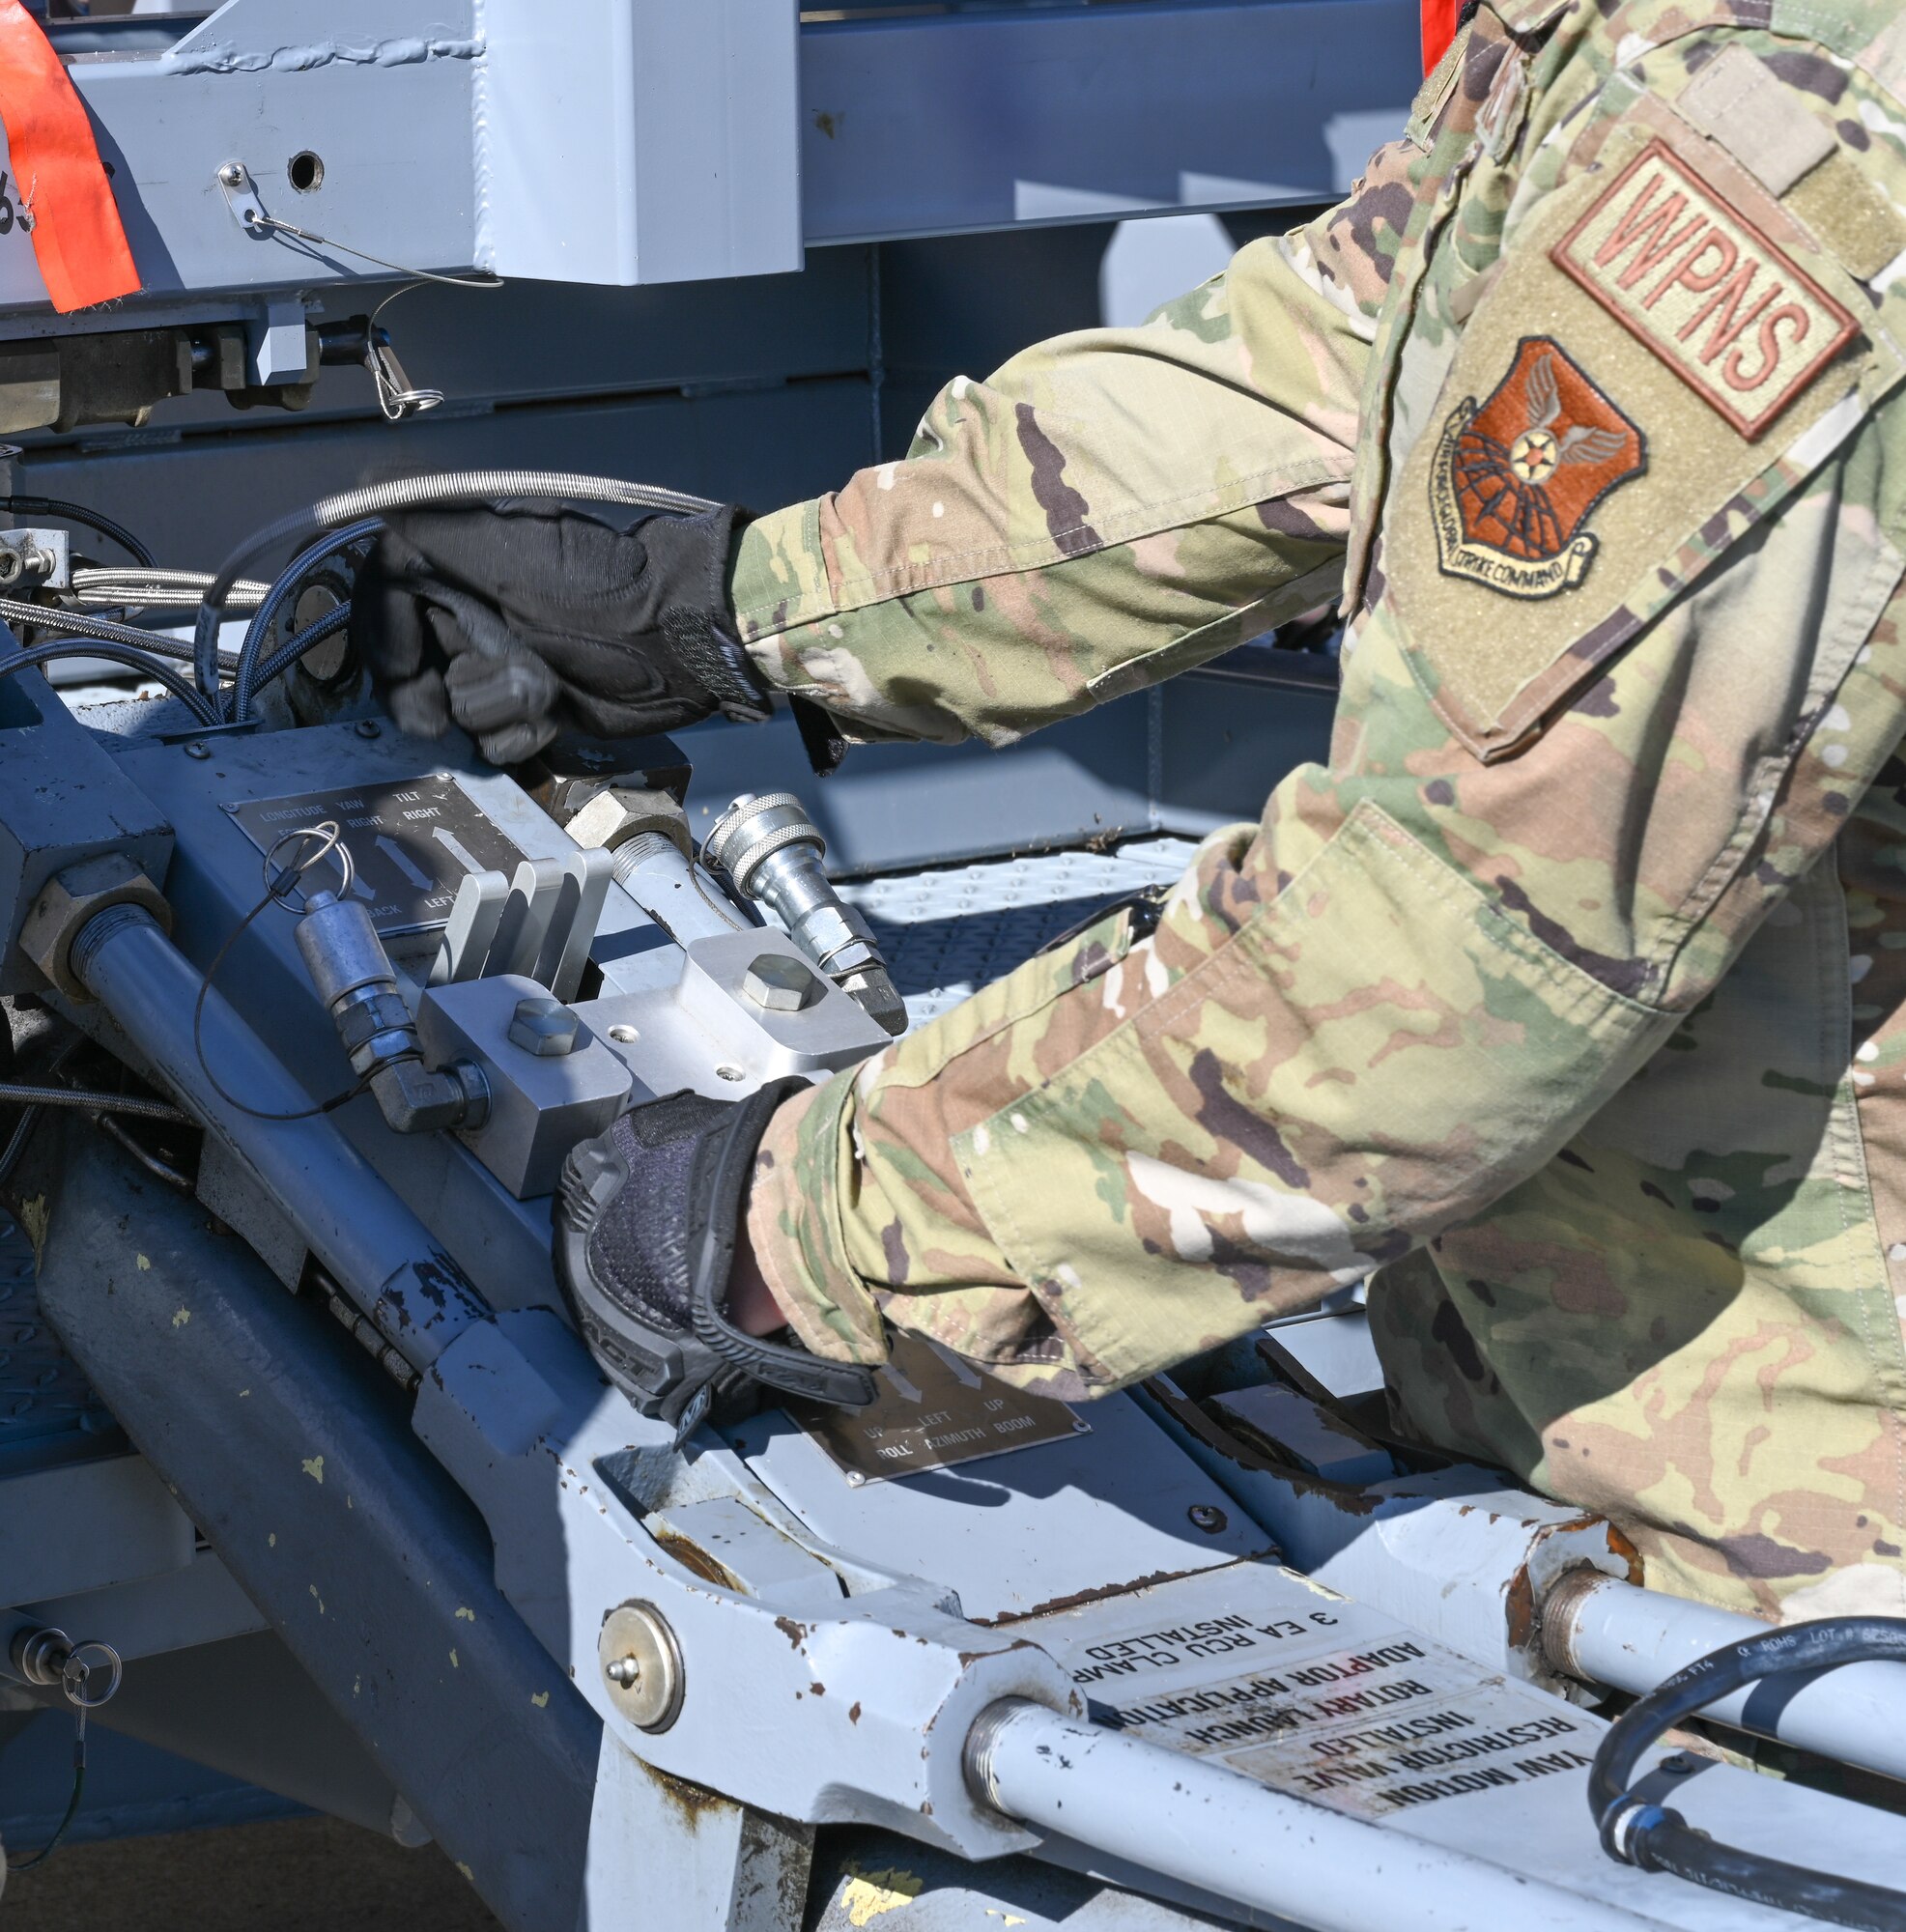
{"type": "Point", "coordinates": [454, 1666]}
{"type": "Point", "coordinates": [541, 1700]}
{"type": "Point", "coordinates": [181, 1318]}
{"type": "Point", "coordinates": [868, 1894]}
{"type": "Point", "coordinates": [35, 1218]}
{"type": "Point", "coordinates": [466, 1613]}
{"type": "Point", "coordinates": [145, 1264]}
{"type": "Point", "coordinates": [272, 1540]}
{"type": "Point", "coordinates": [466, 1871]}
{"type": "Point", "coordinates": [314, 1468]}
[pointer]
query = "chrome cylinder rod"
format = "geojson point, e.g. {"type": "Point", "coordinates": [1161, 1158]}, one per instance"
{"type": "Point", "coordinates": [1604, 1630]}
{"type": "Point", "coordinates": [1214, 1828]}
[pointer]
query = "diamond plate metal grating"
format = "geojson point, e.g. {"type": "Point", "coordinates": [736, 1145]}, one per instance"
{"type": "Point", "coordinates": [45, 1403]}
{"type": "Point", "coordinates": [949, 933]}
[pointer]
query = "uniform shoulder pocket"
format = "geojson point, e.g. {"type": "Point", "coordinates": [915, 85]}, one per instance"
{"type": "Point", "coordinates": [1664, 356]}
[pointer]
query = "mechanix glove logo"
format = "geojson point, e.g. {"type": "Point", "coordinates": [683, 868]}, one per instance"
{"type": "Point", "coordinates": [1513, 482]}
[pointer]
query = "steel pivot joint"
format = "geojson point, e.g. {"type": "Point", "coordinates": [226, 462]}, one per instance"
{"type": "Point", "coordinates": [772, 850]}
{"type": "Point", "coordinates": [353, 978]}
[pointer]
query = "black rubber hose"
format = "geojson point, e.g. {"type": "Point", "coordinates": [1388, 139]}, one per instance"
{"type": "Point", "coordinates": [77, 513]}
{"type": "Point", "coordinates": [1655, 1838]}
{"type": "Point", "coordinates": [143, 662]}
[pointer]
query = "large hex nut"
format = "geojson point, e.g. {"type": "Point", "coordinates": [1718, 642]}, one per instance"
{"type": "Point", "coordinates": [72, 899]}
{"type": "Point", "coordinates": [619, 813]}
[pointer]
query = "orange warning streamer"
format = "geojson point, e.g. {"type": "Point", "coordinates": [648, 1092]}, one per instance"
{"type": "Point", "coordinates": [77, 237]}
{"type": "Point", "coordinates": [1438, 17]}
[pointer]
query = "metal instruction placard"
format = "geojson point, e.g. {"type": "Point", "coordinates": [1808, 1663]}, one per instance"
{"type": "Point", "coordinates": [412, 841]}
{"type": "Point", "coordinates": [932, 1411]}
{"type": "Point", "coordinates": [1326, 1699]}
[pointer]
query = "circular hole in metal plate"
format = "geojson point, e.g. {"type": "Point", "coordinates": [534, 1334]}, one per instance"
{"type": "Point", "coordinates": [307, 172]}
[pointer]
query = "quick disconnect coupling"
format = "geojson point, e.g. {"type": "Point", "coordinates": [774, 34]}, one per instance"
{"type": "Point", "coordinates": [353, 975]}
{"type": "Point", "coordinates": [772, 850]}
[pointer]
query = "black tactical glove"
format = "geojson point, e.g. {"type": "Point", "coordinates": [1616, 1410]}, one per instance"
{"type": "Point", "coordinates": [645, 1224]}
{"type": "Point", "coordinates": [515, 623]}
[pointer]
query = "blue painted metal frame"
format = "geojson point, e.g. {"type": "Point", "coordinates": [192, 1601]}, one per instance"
{"type": "Point", "coordinates": [948, 122]}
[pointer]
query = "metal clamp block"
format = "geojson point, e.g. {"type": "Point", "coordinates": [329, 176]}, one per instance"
{"type": "Point", "coordinates": [541, 1102]}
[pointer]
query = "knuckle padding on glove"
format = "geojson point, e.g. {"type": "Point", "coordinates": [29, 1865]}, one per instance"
{"type": "Point", "coordinates": [649, 1253]}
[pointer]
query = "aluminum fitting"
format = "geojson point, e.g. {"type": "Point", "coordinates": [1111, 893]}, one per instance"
{"type": "Point", "coordinates": [773, 851]}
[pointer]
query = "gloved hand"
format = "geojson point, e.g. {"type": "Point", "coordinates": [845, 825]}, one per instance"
{"type": "Point", "coordinates": [645, 1225]}
{"type": "Point", "coordinates": [515, 623]}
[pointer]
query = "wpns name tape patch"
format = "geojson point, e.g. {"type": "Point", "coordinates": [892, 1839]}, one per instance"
{"type": "Point", "coordinates": [1727, 309]}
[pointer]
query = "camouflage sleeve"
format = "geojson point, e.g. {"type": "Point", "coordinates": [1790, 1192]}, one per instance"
{"type": "Point", "coordinates": [1106, 509]}
{"type": "Point", "coordinates": [1583, 749]}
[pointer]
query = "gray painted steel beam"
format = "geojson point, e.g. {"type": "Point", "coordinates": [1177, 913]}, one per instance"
{"type": "Point", "coordinates": [651, 142]}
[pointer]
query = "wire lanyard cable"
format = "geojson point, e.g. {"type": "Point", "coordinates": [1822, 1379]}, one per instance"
{"type": "Point", "coordinates": [325, 839]}
{"type": "Point", "coordinates": [76, 1688]}
{"type": "Point", "coordinates": [1638, 1832]}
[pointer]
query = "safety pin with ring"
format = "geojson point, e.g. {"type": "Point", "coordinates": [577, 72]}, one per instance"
{"type": "Point", "coordinates": [50, 1659]}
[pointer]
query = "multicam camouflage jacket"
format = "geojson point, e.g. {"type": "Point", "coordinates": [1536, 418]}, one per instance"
{"type": "Point", "coordinates": [1569, 998]}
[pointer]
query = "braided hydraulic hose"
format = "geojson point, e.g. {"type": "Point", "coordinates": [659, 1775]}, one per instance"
{"type": "Point", "coordinates": [450, 489]}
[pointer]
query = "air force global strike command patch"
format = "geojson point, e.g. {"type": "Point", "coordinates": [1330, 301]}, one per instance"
{"type": "Point", "coordinates": [1728, 311]}
{"type": "Point", "coordinates": [1513, 482]}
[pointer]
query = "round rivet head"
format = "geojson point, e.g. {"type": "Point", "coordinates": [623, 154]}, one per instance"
{"type": "Point", "coordinates": [779, 983]}
{"type": "Point", "coordinates": [369, 727]}
{"type": "Point", "coordinates": [546, 1028]}
{"type": "Point", "coordinates": [198, 749]}
{"type": "Point", "coordinates": [642, 1666]}
{"type": "Point", "coordinates": [1207, 1517]}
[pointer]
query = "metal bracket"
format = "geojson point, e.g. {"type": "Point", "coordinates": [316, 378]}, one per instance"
{"type": "Point", "coordinates": [241, 198]}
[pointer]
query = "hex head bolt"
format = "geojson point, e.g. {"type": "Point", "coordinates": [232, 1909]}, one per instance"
{"type": "Point", "coordinates": [772, 850]}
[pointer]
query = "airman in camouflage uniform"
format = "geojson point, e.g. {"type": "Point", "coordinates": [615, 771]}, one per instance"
{"type": "Point", "coordinates": [1568, 1001]}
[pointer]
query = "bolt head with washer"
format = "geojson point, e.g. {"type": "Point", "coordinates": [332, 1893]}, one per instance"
{"type": "Point", "coordinates": [1207, 1517]}
{"type": "Point", "coordinates": [642, 1666]}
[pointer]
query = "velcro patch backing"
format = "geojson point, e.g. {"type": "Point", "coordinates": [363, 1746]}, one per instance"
{"type": "Point", "coordinates": [1728, 311]}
